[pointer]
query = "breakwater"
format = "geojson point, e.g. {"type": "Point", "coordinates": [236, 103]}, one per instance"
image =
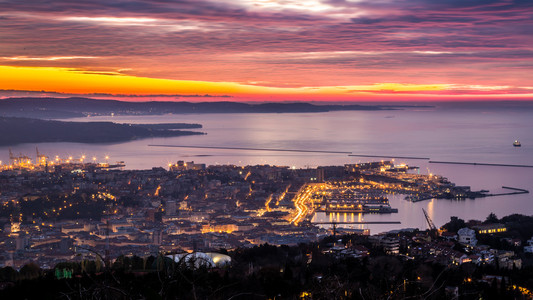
{"type": "Point", "coordinates": [251, 149]}
{"type": "Point", "coordinates": [517, 191]}
{"type": "Point", "coordinates": [478, 164]}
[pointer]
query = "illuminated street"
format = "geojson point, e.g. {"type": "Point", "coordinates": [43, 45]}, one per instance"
{"type": "Point", "coordinates": [303, 201]}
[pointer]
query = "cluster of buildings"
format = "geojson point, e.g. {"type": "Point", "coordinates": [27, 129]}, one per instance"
{"type": "Point", "coordinates": [446, 248]}
{"type": "Point", "coordinates": [446, 252]}
{"type": "Point", "coordinates": [53, 215]}
{"type": "Point", "coordinates": [79, 211]}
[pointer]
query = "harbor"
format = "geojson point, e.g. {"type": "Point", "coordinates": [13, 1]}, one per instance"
{"type": "Point", "coordinates": [43, 163]}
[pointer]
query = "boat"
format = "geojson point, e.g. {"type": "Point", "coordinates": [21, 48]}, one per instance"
{"type": "Point", "coordinates": [517, 143]}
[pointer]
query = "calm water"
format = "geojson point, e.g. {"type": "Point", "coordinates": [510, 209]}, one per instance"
{"type": "Point", "coordinates": [466, 135]}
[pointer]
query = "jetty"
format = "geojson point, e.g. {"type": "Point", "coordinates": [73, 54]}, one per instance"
{"type": "Point", "coordinates": [478, 164]}
{"type": "Point", "coordinates": [252, 149]}
{"type": "Point", "coordinates": [289, 150]}
{"type": "Point", "coordinates": [517, 191]}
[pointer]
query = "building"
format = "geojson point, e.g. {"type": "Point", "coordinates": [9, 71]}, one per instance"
{"type": "Point", "coordinates": [449, 236]}
{"type": "Point", "coordinates": [320, 172]}
{"type": "Point", "coordinates": [467, 236]}
{"type": "Point", "coordinates": [170, 208]}
{"type": "Point", "coordinates": [490, 228]}
{"type": "Point", "coordinates": [529, 247]}
{"type": "Point", "coordinates": [391, 245]}
{"type": "Point", "coordinates": [183, 166]}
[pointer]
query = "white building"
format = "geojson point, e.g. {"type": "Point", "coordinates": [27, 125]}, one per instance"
{"type": "Point", "coordinates": [467, 236]}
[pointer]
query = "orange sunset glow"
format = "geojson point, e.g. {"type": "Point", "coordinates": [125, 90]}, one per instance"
{"type": "Point", "coordinates": [75, 81]}
{"type": "Point", "coordinates": [82, 82]}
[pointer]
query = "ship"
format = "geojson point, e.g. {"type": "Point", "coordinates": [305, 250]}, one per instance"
{"type": "Point", "coordinates": [517, 143]}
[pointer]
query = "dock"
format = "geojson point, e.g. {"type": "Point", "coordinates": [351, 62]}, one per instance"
{"type": "Point", "coordinates": [252, 149]}
{"type": "Point", "coordinates": [478, 164]}
{"type": "Point", "coordinates": [290, 150]}
{"type": "Point", "coordinates": [517, 191]}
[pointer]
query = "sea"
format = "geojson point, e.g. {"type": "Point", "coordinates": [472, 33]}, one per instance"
{"type": "Point", "coordinates": [440, 132]}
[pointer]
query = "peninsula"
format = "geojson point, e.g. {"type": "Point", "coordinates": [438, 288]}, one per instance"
{"type": "Point", "coordinates": [23, 130]}
{"type": "Point", "coordinates": [56, 108]}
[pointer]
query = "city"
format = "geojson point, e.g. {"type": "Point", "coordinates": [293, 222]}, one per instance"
{"type": "Point", "coordinates": [69, 203]}
{"type": "Point", "coordinates": [69, 210]}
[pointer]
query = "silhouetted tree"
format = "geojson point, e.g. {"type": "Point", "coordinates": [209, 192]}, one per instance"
{"type": "Point", "coordinates": [492, 218]}
{"type": "Point", "coordinates": [30, 271]}
{"type": "Point", "coordinates": [8, 274]}
{"type": "Point", "coordinates": [454, 225]}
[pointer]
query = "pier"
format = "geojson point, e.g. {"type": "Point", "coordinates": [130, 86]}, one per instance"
{"type": "Point", "coordinates": [252, 149]}
{"type": "Point", "coordinates": [290, 150]}
{"type": "Point", "coordinates": [479, 164]}
{"type": "Point", "coordinates": [517, 191]}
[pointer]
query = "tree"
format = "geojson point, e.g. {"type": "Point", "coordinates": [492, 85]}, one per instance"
{"type": "Point", "coordinates": [454, 225]}
{"type": "Point", "coordinates": [30, 271]}
{"type": "Point", "coordinates": [492, 218]}
{"type": "Point", "coordinates": [8, 274]}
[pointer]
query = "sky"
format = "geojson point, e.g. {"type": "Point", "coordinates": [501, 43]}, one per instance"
{"type": "Point", "coordinates": [268, 50]}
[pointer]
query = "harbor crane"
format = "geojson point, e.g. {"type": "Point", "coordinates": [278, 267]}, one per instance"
{"type": "Point", "coordinates": [432, 228]}
{"type": "Point", "coordinates": [21, 159]}
{"type": "Point", "coordinates": [41, 158]}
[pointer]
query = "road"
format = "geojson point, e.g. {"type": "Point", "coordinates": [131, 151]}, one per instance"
{"type": "Point", "coordinates": [303, 201]}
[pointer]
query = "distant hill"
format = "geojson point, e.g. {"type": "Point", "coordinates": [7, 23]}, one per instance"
{"type": "Point", "coordinates": [23, 130]}
{"type": "Point", "coordinates": [55, 108]}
